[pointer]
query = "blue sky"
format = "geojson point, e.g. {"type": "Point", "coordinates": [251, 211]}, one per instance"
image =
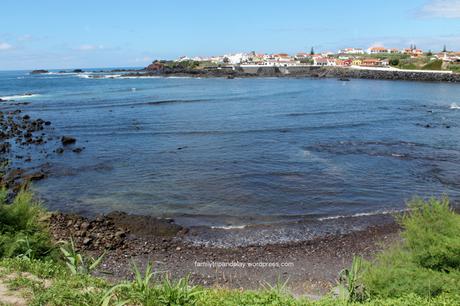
{"type": "Point", "coordinates": [102, 33]}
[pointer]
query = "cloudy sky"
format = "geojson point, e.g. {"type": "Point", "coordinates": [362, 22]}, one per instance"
{"type": "Point", "coordinates": [80, 34]}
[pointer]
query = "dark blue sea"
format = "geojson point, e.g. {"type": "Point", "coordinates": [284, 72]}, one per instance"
{"type": "Point", "coordinates": [220, 152]}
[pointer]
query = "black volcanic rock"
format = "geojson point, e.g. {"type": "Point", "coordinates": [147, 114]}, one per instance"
{"type": "Point", "coordinates": [39, 71]}
{"type": "Point", "coordinates": [67, 140]}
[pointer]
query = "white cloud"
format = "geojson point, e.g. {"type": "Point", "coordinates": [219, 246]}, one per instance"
{"type": "Point", "coordinates": [89, 47]}
{"type": "Point", "coordinates": [25, 37]}
{"type": "Point", "coordinates": [5, 46]}
{"type": "Point", "coordinates": [441, 8]}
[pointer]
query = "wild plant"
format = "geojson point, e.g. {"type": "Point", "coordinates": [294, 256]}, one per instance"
{"type": "Point", "coordinates": [350, 287]}
{"type": "Point", "coordinates": [29, 252]}
{"type": "Point", "coordinates": [139, 289]}
{"type": "Point", "coordinates": [177, 293]}
{"type": "Point", "coordinates": [76, 262]}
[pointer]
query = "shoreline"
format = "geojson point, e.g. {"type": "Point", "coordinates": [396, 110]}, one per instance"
{"type": "Point", "coordinates": [312, 264]}
{"type": "Point", "coordinates": [341, 73]}
{"type": "Point", "coordinates": [251, 71]}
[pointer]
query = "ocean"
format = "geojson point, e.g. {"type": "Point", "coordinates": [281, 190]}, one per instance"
{"type": "Point", "coordinates": [231, 153]}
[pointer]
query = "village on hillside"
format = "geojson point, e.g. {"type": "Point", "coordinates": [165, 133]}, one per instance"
{"type": "Point", "coordinates": [376, 56]}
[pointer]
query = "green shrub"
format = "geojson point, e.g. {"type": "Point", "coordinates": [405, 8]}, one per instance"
{"type": "Point", "coordinates": [432, 234]}
{"type": "Point", "coordinates": [394, 61]}
{"type": "Point", "coordinates": [427, 261]}
{"type": "Point", "coordinates": [21, 231]}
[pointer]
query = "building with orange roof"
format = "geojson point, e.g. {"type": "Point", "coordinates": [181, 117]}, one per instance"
{"type": "Point", "coordinates": [377, 50]}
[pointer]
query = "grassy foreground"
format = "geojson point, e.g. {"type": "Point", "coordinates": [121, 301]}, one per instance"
{"type": "Point", "coordinates": [424, 269]}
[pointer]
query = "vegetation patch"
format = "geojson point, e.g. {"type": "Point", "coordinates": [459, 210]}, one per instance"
{"type": "Point", "coordinates": [427, 262]}
{"type": "Point", "coordinates": [433, 65]}
{"type": "Point", "coordinates": [23, 231]}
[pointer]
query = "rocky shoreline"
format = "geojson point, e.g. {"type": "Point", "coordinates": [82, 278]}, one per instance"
{"type": "Point", "coordinates": [25, 145]}
{"type": "Point", "coordinates": [340, 73]}
{"type": "Point", "coordinates": [312, 266]}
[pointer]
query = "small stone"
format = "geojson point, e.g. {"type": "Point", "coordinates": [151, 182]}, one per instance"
{"type": "Point", "coordinates": [84, 226]}
{"type": "Point", "coordinates": [120, 234]}
{"type": "Point", "coordinates": [67, 140]}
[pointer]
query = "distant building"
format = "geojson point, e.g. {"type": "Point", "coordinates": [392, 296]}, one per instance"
{"type": "Point", "coordinates": [371, 62]}
{"type": "Point", "coordinates": [413, 52]}
{"type": "Point", "coordinates": [324, 61]}
{"type": "Point", "coordinates": [281, 55]}
{"type": "Point", "coordinates": [347, 62]}
{"type": "Point", "coordinates": [236, 59]}
{"type": "Point", "coordinates": [448, 56]}
{"type": "Point", "coordinates": [377, 50]}
{"type": "Point", "coordinates": [357, 62]}
{"type": "Point", "coordinates": [302, 55]}
{"type": "Point", "coordinates": [282, 63]}
{"type": "Point", "coordinates": [351, 51]}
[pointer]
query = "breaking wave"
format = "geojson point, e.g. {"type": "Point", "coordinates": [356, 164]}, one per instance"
{"type": "Point", "coordinates": [23, 96]}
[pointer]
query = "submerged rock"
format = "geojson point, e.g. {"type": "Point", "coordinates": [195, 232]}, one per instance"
{"type": "Point", "coordinates": [67, 140]}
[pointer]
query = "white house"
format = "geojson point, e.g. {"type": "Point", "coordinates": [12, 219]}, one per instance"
{"type": "Point", "coordinates": [236, 58]}
{"type": "Point", "coordinates": [351, 51]}
{"type": "Point", "coordinates": [324, 61]}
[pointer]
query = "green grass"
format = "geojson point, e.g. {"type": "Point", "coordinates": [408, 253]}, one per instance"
{"type": "Point", "coordinates": [68, 289]}
{"type": "Point", "coordinates": [22, 233]}
{"type": "Point", "coordinates": [424, 269]}
{"type": "Point", "coordinates": [433, 65]}
{"type": "Point", "coordinates": [454, 67]}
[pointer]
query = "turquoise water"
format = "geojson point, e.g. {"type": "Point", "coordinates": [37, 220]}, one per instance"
{"type": "Point", "coordinates": [243, 151]}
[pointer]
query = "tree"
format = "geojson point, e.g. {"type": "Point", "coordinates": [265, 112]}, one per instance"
{"type": "Point", "coordinates": [394, 62]}
{"type": "Point", "coordinates": [444, 49]}
{"type": "Point", "coordinates": [429, 53]}
{"type": "Point", "coordinates": [312, 51]}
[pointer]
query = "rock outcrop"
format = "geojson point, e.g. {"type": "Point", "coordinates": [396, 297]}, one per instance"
{"type": "Point", "coordinates": [39, 71]}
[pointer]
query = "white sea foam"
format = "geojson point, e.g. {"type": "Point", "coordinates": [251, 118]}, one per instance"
{"type": "Point", "coordinates": [454, 106]}
{"type": "Point", "coordinates": [141, 77]}
{"type": "Point", "coordinates": [61, 73]}
{"type": "Point", "coordinates": [229, 227]}
{"type": "Point", "coordinates": [101, 76]}
{"type": "Point", "coordinates": [376, 213]}
{"type": "Point", "coordinates": [15, 97]}
{"type": "Point", "coordinates": [178, 77]}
